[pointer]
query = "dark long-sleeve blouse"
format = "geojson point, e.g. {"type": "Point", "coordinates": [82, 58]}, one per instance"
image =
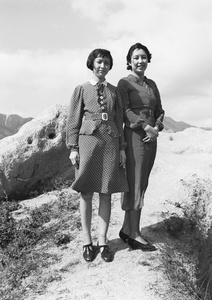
{"type": "Point", "coordinates": [136, 97]}
{"type": "Point", "coordinates": [84, 102]}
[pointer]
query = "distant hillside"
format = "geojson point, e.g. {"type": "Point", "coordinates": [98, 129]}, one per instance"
{"type": "Point", "coordinates": [207, 128]}
{"type": "Point", "coordinates": [174, 126]}
{"type": "Point", "coordinates": [10, 124]}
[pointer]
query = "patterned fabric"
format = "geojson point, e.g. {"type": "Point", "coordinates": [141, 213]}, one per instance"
{"type": "Point", "coordinates": [99, 141]}
{"type": "Point", "coordinates": [140, 155]}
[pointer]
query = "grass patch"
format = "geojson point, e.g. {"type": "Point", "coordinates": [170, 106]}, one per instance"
{"type": "Point", "coordinates": [25, 244]}
{"type": "Point", "coordinates": [187, 261]}
{"type": "Point", "coordinates": [180, 269]}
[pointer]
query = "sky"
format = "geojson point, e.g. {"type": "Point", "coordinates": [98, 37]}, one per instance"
{"type": "Point", "coordinates": [44, 45]}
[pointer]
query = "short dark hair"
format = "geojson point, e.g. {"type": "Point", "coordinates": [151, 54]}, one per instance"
{"type": "Point", "coordinates": [132, 48]}
{"type": "Point", "coordinates": [96, 53]}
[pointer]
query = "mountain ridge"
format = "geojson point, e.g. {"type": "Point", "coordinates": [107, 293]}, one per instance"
{"type": "Point", "coordinates": [10, 124]}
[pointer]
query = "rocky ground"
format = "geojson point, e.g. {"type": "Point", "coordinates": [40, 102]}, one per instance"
{"type": "Point", "coordinates": [136, 275]}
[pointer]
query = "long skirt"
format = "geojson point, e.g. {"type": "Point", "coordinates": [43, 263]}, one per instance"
{"type": "Point", "coordinates": [140, 160]}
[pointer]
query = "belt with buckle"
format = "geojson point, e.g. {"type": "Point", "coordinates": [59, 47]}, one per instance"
{"type": "Point", "coordinates": [105, 116]}
{"type": "Point", "coordinates": [148, 112]}
{"type": "Point", "coordinates": [99, 116]}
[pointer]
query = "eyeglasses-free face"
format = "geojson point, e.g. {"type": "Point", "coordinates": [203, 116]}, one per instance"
{"type": "Point", "coordinates": [139, 61]}
{"type": "Point", "coordinates": [101, 67]}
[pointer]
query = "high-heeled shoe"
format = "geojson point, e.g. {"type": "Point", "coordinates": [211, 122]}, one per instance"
{"type": "Point", "coordinates": [88, 252]}
{"type": "Point", "coordinates": [123, 236]}
{"type": "Point", "coordinates": [137, 245]}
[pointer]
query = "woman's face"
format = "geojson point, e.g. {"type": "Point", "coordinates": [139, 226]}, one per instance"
{"type": "Point", "coordinates": [139, 61]}
{"type": "Point", "coordinates": [101, 67]}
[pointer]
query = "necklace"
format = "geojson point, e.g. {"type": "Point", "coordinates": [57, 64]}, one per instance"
{"type": "Point", "coordinates": [144, 84]}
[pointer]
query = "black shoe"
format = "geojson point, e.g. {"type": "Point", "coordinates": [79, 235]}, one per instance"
{"type": "Point", "coordinates": [123, 236]}
{"type": "Point", "coordinates": [88, 252]}
{"type": "Point", "coordinates": [107, 255]}
{"type": "Point", "coordinates": [137, 245]}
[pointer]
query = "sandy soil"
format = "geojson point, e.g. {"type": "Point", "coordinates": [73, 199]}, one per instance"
{"type": "Point", "coordinates": [136, 275]}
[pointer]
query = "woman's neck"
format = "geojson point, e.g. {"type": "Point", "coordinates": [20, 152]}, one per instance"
{"type": "Point", "coordinates": [140, 77]}
{"type": "Point", "coordinates": [97, 79]}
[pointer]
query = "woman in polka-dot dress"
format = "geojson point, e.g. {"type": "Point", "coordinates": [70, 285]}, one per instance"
{"type": "Point", "coordinates": [95, 138]}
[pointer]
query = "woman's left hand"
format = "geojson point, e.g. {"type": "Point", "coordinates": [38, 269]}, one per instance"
{"type": "Point", "coordinates": [151, 134]}
{"type": "Point", "coordinates": [122, 159]}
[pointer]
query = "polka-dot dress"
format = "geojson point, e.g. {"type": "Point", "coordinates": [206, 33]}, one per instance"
{"type": "Point", "coordinates": [95, 127]}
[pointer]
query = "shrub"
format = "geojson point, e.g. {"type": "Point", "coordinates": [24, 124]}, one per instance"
{"type": "Point", "coordinates": [20, 254]}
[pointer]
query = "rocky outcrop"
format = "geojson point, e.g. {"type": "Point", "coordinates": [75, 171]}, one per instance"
{"type": "Point", "coordinates": [32, 159]}
{"type": "Point", "coordinates": [10, 124]}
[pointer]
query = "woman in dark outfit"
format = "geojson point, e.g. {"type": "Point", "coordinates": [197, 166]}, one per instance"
{"type": "Point", "coordinates": [143, 120]}
{"type": "Point", "coordinates": [96, 140]}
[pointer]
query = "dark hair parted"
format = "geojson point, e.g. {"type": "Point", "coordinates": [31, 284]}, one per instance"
{"type": "Point", "coordinates": [98, 53]}
{"type": "Point", "coordinates": [130, 52]}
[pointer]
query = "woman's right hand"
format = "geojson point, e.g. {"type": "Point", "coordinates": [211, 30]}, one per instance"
{"type": "Point", "coordinates": [74, 157]}
{"type": "Point", "coordinates": [151, 134]}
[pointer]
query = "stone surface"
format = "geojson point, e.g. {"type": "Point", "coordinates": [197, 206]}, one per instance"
{"type": "Point", "coordinates": [36, 157]}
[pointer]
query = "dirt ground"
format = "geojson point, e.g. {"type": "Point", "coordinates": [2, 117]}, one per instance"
{"type": "Point", "coordinates": [136, 275]}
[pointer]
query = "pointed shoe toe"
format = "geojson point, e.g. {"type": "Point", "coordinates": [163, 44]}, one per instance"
{"type": "Point", "coordinates": [137, 245]}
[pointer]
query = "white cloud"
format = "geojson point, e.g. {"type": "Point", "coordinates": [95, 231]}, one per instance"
{"type": "Point", "coordinates": [98, 11]}
{"type": "Point", "coordinates": [177, 33]}
{"type": "Point", "coordinates": [36, 80]}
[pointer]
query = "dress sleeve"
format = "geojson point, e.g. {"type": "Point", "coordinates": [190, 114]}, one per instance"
{"type": "Point", "coordinates": [159, 112]}
{"type": "Point", "coordinates": [129, 116]}
{"type": "Point", "coordinates": [74, 120]}
{"type": "Point", "coordinates": [119, 120]}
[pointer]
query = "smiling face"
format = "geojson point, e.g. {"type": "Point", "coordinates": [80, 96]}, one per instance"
{"type": "Point", "coordinates": [101, 67]}
{"type": "Point", "coordinates": [139, 62]}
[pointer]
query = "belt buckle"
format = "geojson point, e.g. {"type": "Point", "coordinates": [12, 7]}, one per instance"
{"type": "Point", "coordinates": [148, 112]}
{"type": "Point", "coordinates": [105, 116]}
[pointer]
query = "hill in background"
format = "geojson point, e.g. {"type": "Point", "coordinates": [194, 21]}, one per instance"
{"type": "Point", "coordinates": [10, 124]}
{"type": "Point", "coordinates": [174, 126]}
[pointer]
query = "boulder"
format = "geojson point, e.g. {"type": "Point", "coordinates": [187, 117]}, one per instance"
{"type": "Point", "coordinates": [36, 157]}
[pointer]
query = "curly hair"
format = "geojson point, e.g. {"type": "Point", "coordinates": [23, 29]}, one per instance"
{"type": "Point", "coordinates": [98, 53]}
{"type": "Point", "coordinates": [132, 48]}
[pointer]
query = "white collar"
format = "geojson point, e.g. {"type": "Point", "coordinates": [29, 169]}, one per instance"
{"type": "Point", "coordinates": [94, 82]}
